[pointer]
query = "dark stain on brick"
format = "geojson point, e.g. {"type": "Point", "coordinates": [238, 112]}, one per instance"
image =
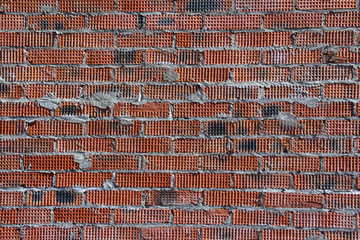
{"type": "Point", "coordinates": [187, 57]}
{"type": "Point", "coordinates": [328, 184]}
{"type": "Point", "coordinates": [269, 111]}
{"type": "Point", "coordinates": [59, 25]}
{"type": "Point", "coordinates": [44, 24]}
{"type": "Point", "coordinates": [125, 57]}
{"type": "Point", "coordinates": [217, 128]}
{"type": "Point", "coordinates": [123, 91]}
{"type": "Point", "coordinates": [238, 113]}
{"type": "Point", "coordinates": [167, 198]}
{"type": "Point", "coordinates": [166, 21]}
{"type": "Point", "coordinates": [335, 144]}
{"type": "Point", "coordinates": [69, 110]}
{"type": "Point", "coordinates": [37, 196]}
{"type": "Point", "coordinates": [203, 6]}
{"type": "Point", "coordinates": [249, 145]}
{"type": "Point", "coordinates": [279, 147]}
{"type": "Point", "coordinates": [141, 21]}
{"type": "Point", "coordinates": [65, 197]}
{"type": "Point", "coordinates": [4, 88]}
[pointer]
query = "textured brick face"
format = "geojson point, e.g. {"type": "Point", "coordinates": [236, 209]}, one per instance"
{"type": "Point", "coordinates": [179, 120]}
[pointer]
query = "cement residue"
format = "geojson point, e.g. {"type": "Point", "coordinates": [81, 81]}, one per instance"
{"type": "Point", "coordinates": [126, 122]}
{"type": "Point", "coordinates": [109, 184]}
{"type": "Point", "coordinates": [309, 102]}
{"type": "Point", "coordinates": [171, 75]}
{"type": "Point", "coordinates": [289, 121]}
{"type": "Point", "coordinates": [49, 101]}
{"type": "Point", "coordinates": [82, 160]}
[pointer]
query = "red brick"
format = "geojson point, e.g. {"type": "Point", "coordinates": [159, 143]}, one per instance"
{"type": "Point", "coordinates": [293, 56]}
{"type": "Point", "coordinates": [323, 220]}
{"type": "Point", "coordinates": [10, 91]}
{"type": "Point", "coordinates": [232, 57]}
{"type": "Point", "coordinates": [145, 40]}
{"type": "Point", "coordinates": [336, 182]}
{"type": "Point", "coordinates": [25, 39]}
{"type": "Point", "coordinates": [11, 198]}
{"type": "Point", "coordinates": [12, 22]}
{"type": "Point", "coordinates": [271, 181]}
{"type": "Point", "coordinates": [322, 73]}
{"type": "Point", "coordinates": [259, 217]}
{"type": "Point", "coordinates": [170, 92]}
{"type": "Point", "coordinates": [203, 74]}
{"type": "Point", "coordinates": [328, 109]}
{"type": "Point", "coordinates": [143, 145]}
{"type": "Point", "coordinates": [113, 128]}
{"type": "Point", "coordinates": [202, 180]}
{"type": "Point", "coordinates": [322, 145]}
{"type": "Point", "coordinates": [333, 235]}
{"type": "Point", "coordinates": [25, 216]}
{"type": "Point", "coordinates": [27, 145]}
{"type": "Point", "coordinates": [35, 91]}
{"type": "Point", "coordinates": [211, 217]}
{"type": "Point", "coordinates": [15, 127]}
{"type": "Point", "coordinates": [105, 162]}
{"type": "Point", "coordinates": [178, 163]}
{"type": "Point", "coordinates": [74, 74]}
{"type": "Point", "coordinates": [172, 22]}
{"type": "Point", "coordinates": [85, 144]}
{"type": "Point", "coordinates": [180, 233]}
{"type": "Point", "coordinates": [114, 197]}
{"type": "Point", "coordinates": [291, 163]}
{"type": "Point", "coordinates": [12, 56]}
{"type": "Point", "coordinates": [29, 6]}
{"type": "Point", "coordinates": [48, 232]}
{"type": "Point", "coordinates": [264, 6]}
{"type": "Point", "coordinates": [174, 127]}
{"type": "Point", "coordinates": [150, 109]}
{"type": "Point", "coordinates": [236, 233]}
{"type": "Point", "coordinates": [260, 74]}
{"type": "Point", "coordinates": [84, 179]}
{"type": "Point", "coordinates": [22, 109]}
{"type": "Point", "coordinates": [56, 128]}
{"type": "Point", "coordinates": [208, 40]}
{"type": "Point", "coordinates": [264, 39]}
{"type": "Point", "coordinates": [232, 22]}
{"type": "Point", "coordinates": [293, 234]}
{"type": "Point", "coordinates": [293, 200]}
{"type": "Point", "coordinates": [342, 19]}
{"type": "Point", "coordinates": [53, 198]}
{"type": "Point", "coordinates": [332, 4]}
{"type": "Point", "coordinates": [253, 109]}
{"type": "Point", "coordinates": [82, 215]}
{"type": "Point", "coordinates": [116, 233]}
{"type": "Point", "coordinates": [342, 91]}
{"type": "Point", "coordinates": [342, 164]}
{"type": "Point", "coordinates": [86, 40]}
{"type": "Point", "coordinates": [327, 38]}
{"type": "Point", "coordinates": [201, 110]}
{"type": "Point", "coordinates": [76, 109]}
{"type": "Point", "coordinates": [52, 162]}
{"type": "Point", "coordinates": [190, 57]}
{"type": "Point", "coordinates": [101, 57]}
{"type": "Point", "coordinates": [338, 201]}
{"type": "Point", "coordinates": [137, 180]}
{"type": "Point", "coordinates": [87, 6]}
{"type": "Point", "coordinates": [27, 74]}
{"type": "Point", "coordinates": [145, 6]}
{"type": "Point", "coordinates": [342, 55]}
{"type": "Point", "coordinates": [139, 74]}
{"type": "Point", "coordinates": [202, 145]}
{"type": "Point", "coordinates": [293, 20]}
{"type": "Point", "coordinates": [230, 93]}
{"type": "Point", "coordinates": [107, 22]}
{"type": "Point", "coordinates": [10, 162]}
{"type": "Point", "coordinates": [232, 198]}
{"type": "Point", "coordinates": [306, 127]}
{"type": "Point", "coordinates": [257, 145]}
{"type": "Point", "coordinates": [342, 127]}
{"type": "Point", "coordinates": [56, 56]}
{"type": "Point", "coordinates": [136, 216]}
{"type": "Point", "coordinates": [172, 198]}
{"type": "Point", "coordinates": [56, 22]}
{"type": "Point", "coordinates": [229, 163]}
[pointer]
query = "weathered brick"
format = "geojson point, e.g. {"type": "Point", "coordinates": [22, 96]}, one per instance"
{"type": "Point", "coordinates": [264, 6]}
{"type": "Point", "coordinates": [86, 40]}
{"type": "Point", "coordinates": [145, 6]}
{"type": "Point", "coordinates": [174, 127]}
{"type": "Point", "coordinates": [94, 233]}
{"type": "Point", "coordinates": [201, 110]}
{"type": "Point", "coordinates": [82, 215]}
{"type": "Point", "coordinates": [262, 181]}
{"type": "Point", "coordinates": [177, 163]}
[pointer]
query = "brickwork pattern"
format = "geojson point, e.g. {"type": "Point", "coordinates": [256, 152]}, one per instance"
{"type": "Point", "coordinates": [179, 119]}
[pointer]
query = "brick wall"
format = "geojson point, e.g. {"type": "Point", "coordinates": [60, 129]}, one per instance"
{"type": "Point", "coordinates": [186, 119]}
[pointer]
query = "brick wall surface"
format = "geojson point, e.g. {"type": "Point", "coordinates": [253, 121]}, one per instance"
{"type": "Point", "coordinates": [179, 119]}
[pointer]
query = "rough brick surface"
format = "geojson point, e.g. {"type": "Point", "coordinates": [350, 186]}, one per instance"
{"type": "Point", "coordinates": [179, 119]}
